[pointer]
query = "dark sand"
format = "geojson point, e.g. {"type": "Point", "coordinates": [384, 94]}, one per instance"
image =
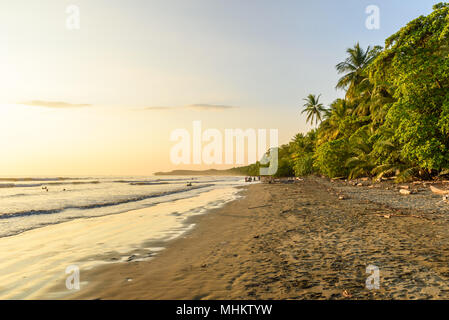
{"type": "Point", "coordinates": [295, 241]}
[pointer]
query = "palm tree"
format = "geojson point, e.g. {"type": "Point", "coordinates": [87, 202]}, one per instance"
{"type": "Point", "coordinates": [370, 99]}
{"type": "Point", "coordinates": [362, 162]}
{"type": "Point", "coordinates": [330, 127]}
{"type": "Point", "coordinates": [392, 164]}
{"type": "Point", "coordinates": [313, 108]}
{"type": "Point", "coordinates": [380, 101]}
{"type": "Point", "coordinates": [354, 66]}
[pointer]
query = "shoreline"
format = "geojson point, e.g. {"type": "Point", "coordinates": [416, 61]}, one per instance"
{"type": "Point", "coordinates": [96, 276]}
{"type": "Point", "coordinates": [37, 266]}
{"type": "Point", "coordinates": [291, 241]}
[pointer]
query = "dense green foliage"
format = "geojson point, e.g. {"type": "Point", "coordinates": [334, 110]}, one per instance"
{"type": "Point", "coordinates": [394, 119]}
{"type": "Point", "coordinates": [330, 156]}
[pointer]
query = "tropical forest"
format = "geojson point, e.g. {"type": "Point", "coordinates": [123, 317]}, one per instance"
{"type": "Point", "coordinates": [393, 121]}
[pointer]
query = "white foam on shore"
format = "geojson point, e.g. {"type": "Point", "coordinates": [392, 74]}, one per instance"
{"type": "Point", "coordinates": [36, 260]}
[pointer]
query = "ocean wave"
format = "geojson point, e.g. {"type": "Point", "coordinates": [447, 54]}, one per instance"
{"type": "Point", "coordinates": [41, 179]}
{"type": "Point", "coordinates": [154, 181]}
{"type": "Point", "coordinates": [178, 179]}
{"type": "Point", "coordinates": [147, 183]}
{"type": "Point", "coordinates": [7, 185]}
{"type": "Point", "coordinates": [34, 185]}
{"type": "Point", "coordinates": [100, 204]}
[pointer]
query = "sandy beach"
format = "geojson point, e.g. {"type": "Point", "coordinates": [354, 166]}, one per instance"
{"type": "Point", "coordinates": [224, 150]}
{"type": "Point", "coordinates": [296, 241]}
{"type": "Point", "coordinates": [34, 261]}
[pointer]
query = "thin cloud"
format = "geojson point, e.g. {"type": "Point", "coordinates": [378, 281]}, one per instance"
{"type": "Point", "coordinates": [54, 104]}
{"type": "Point", "coordinates": [195, 107]}
{"type": "Point", "coordinates": [160, 108]}
{"type": "Point", "coordinates": [209, 107]}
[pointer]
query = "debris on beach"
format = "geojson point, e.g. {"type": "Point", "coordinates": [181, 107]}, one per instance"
{"type": "Point", "coordinates": [405, 192]}
{"type": "Point", "coordinates": [262, 206]}
{"type": "Point", "coordinates": [342, 198]}
{"type": "Point", "coordinates": [347, 294]}
{"type": "Point", "coordinates": [445, 199]}
{"type": "Point", "coordinates": [439, 191]}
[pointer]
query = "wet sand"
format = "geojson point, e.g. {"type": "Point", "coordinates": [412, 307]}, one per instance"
{"type": "Point", "coordinates": [33, 262]}
{"type": "Point", "coordinates": [294, 241]}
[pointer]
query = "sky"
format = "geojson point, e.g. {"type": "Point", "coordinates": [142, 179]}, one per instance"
{"type": "Point", "coordinates": [102, 99]}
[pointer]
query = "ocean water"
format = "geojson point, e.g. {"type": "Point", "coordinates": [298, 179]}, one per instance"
{"type": "Point", "coordinates": [29, 203]}
{"type": "Point", "coordinates": [91, 221]}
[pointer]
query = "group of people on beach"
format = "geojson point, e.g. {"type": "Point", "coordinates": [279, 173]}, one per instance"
{"type": "Point", "coordinates": [46, 188]}
{"type": "Point", "coordinates": [251, 179]}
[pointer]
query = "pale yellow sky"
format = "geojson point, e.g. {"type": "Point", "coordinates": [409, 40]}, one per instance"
{"type": "Point", "coordinates": [95, 140]}
{"type": "Point", "coordinates": [130, 58]}
{"type": "Point", "coordinates": [125, 62]}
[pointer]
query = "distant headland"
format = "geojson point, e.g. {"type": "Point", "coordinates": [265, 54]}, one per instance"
{"type": "Point", "coordinates": [210, 172]}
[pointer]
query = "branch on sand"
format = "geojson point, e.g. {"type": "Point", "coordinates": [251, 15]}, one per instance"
{"type": "Point", "coordinates": [267, 205]}
{"type": "Point", "coordinates": [439, 191]}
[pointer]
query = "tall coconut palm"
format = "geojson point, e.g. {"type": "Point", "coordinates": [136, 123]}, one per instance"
{"type": "Point", "coordinates": [370, 99]}
{"type": "Point", "coordinates": [354, 66]}
{"type": "Point", "coordinates": [313, 108]}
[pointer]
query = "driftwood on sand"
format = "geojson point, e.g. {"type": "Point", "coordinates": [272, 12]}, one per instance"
{"type": "Point", "coordinates": [263, 206]}
{"type": "Point", "coordinates": [439, 191]}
